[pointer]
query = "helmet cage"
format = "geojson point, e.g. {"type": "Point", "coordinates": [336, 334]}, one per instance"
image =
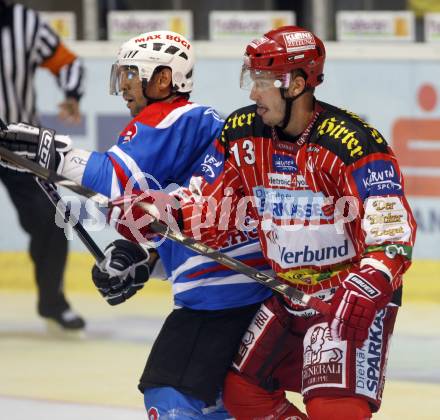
{"type": "Point", "coordinates": [157, 49]}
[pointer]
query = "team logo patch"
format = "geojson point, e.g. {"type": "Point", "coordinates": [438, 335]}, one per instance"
{"type": "Point", "coordinates": [153, 413]}
{"type": "Point", "coordinates": [337, 130]}
{"type": "Point", "coordinates": [391, 251]}
{"type": "Point", "coordinates": [211, 167]}
{"type": "Point", "coordinates": [281, 163]}
{"type": "Point", "coordinates": [44, 150]}
{"type": "Point", "coordinates": [324, 364]}
{"type": "Point", "coordinates": [369, 369]}
{"type": "Point", "coordinates": [261, 320]}
{"type": "Point", "coordinates": [286, 180]}
{"type": "Point", "coordinates": [363, 285]}
{"type": "Point", "coordinates": [279, 180]}
{"type": "Point", "coordinates": [129, 135]}
{"type": "Point", "coordinates": [377, 178]}
{"type": "Point", "coordinates": [296, 246]}
{"type": "Point", "coordinates": [299, 41]}
{"type": "Point", "coordinates": [300, 182]}
{"type": "Point", "coordinates": [293, 257]}
{"type": "Point", "coordinates": [286, 204]}
{"type": "Point", "coordinates": [386, 219]}
{"type": "Point", "coordinates": [171, 37]}
{"type": "Point", "coordinates": [257, 42]}
{"type": "Point", "coordinates": [312, 149]}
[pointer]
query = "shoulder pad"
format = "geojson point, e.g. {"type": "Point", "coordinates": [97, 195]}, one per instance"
{"type": "Point", "coordinates": [347, 135]}
{"type": "Point", "coordinates": [240, 123]}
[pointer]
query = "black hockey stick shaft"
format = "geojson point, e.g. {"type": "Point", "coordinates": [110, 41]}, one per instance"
{"type": "Point", "coordinates": [163, 230]}
{"type": "Point", "coordinates": [55, 198]}
{"type": "Point", "coordinates": [236, 265]}
{"type": "Point", "coordinates": [51, 176]}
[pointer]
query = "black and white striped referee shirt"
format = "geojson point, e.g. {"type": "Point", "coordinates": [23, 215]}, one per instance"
{"type": "Point", "coordinates": [26, 42]}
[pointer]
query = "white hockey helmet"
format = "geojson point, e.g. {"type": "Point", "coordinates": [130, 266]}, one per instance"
{"type": "Point", "coordinates": [147, 51]}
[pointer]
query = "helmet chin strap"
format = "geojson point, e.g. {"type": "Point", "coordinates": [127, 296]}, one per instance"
{"type": "Point", "coordinates": [289, 102]}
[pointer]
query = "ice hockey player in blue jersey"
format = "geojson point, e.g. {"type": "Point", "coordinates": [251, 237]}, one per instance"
{"type": "Point", "coordinates": [168, 140]}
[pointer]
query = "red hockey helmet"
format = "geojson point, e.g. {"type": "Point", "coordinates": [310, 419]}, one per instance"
{"type": "Point", "coordinates": [281, 51]}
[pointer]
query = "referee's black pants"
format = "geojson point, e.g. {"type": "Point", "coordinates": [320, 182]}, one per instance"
{"type": "Point", "coordinates": [48, 244]}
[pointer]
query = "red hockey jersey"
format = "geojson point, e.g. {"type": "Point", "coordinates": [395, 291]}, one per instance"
{"type": "Point", "coordinates": [325, 202]}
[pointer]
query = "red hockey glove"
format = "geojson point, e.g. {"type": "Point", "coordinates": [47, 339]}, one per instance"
{"type": "Point", "coordinates": [132, 214]}
{"type": "Point", "coordinates": [356, 302]}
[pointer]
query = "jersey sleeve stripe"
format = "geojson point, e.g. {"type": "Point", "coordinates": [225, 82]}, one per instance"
{"type": "Point", "coordinates": [198, 260]}
{"type": "Point", "coordinates": [211, 281]}
{"type": "Point", "coordinates": [133, 169]}
{"type": "Point", "coordinates": [253, 260]}
{"type": "Point", "coordinates": [174, 115]}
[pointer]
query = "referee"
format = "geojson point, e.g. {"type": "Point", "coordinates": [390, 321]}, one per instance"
{"type": "Point", "coordinates": [25, 44]}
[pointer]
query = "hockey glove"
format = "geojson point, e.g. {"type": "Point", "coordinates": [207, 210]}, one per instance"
{"type": "Point", "coordinates": [355, 303]}
{"type": "Point", "coordinates": [124, 271]}
{"type": "Point", "coordinates": [34, 143]}
{"type": "Point", "coordinates": [132, 214]}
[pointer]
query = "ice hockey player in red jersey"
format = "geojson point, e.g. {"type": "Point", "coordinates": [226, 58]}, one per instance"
{"type": "Point", "coordinates": [328, 196]}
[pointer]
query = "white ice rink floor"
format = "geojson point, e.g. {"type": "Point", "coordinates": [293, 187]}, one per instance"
{"type": "Point", "coordinates": [25, 408]}
{"type": "Point", "coordinates": [94, 378]}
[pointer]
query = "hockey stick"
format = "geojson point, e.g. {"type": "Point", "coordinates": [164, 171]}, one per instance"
{"type": "Point", "coordinates": [55, 198]}
{"type": "Point", "coordinates": [163, 230]}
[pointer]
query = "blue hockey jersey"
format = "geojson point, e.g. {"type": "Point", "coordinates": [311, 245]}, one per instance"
{"type": "Point", "coordinates": [164, 145]}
